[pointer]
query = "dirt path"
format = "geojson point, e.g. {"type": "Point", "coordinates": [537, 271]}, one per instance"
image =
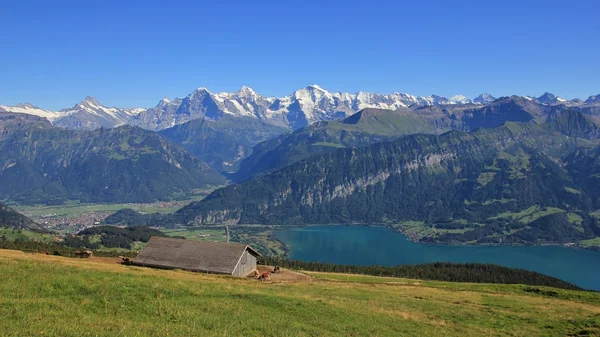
{"type": "Point", "coordinates": [109, 260]}
{"type": "Point", "coordinates": [284, 275]}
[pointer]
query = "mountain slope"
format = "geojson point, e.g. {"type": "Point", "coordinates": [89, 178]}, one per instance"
{"type": "Point", "coordinates": [13, 219]}
{"type": "Point", "coordinates": [89, 114]}
{"type": "Point", "coordinates": [363, 128]}
{"type": "Point", "coordinates": [370, 126]}
{"type": "Point", "coordinates": [455, 177]}
{"type": "Point", "coordinates": [30, 109]}
{"type": "Point", "coordinates": [195, 304]}
{"type": "Point", "coordinates": [222, 143]}
{"type": "Point", "coordinates": [45, 164]}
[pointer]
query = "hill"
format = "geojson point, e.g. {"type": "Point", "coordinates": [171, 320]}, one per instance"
{"type": "Point", "coordinates": [500, 185]}
{"type": "Point", "coordinates": [224, 142]}
{"type": "Point", "coordinates": [112, 299]}
{"type": "Point", "coordinates": [13, 219]}
{"type": "Point", "coordinates": [43, 164]}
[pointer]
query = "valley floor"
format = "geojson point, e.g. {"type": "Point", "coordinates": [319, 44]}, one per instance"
{"type": "Point", "coordinates": [55, 296]}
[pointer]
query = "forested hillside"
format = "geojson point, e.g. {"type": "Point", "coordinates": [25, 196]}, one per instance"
{"type": "Point", "coordinates": [366, 127]}
{"type": "Point", "coordinates": [43, 164]}
{"type": "Point", "coordinates": [13, 219]}
{"type": "Point", "coordinates": [222, 143]}
{"type": "Point", "coordinates": [487, 186]}
{"type": "Point", "coordinates": [371, 126]}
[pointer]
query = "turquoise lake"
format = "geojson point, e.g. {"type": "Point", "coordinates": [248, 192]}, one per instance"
{"type": "Point", "coordinates": [361, 245]}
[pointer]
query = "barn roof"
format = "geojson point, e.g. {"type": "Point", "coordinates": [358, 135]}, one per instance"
{"type": "Point", "coordinates": [214, 257]}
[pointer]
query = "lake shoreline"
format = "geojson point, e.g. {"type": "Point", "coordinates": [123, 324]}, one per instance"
{"type": "Point", "coordinates": [354, 244]}
{"type": "Point", "coordinates": [573, 245]}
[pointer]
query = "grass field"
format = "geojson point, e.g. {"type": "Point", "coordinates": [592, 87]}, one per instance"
{"type": "Point", "coordinates": [54, 296]}
{"type": "Point", "coordinates": [25, 235]}
{"type": "Point", "coordinates": [419, 229]}
{"type": "Point", "coordinates": [76, 209]}
{"type": "Point", "coordinates": [258, 236]}
{"type": "Point", "coordinates": [530, 214]}
{"type": "Point", "coordinates": [595, 242]}
{"type": "Point", "coordinates": [198, 234]}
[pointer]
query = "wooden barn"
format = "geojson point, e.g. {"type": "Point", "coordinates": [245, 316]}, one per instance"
{"type": "Point", "coordinates": [209, 257]}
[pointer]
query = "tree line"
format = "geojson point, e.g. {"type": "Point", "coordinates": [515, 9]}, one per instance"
{"type": "Point", "coordinates": [439, 271]}
{"type": "Point", "coordinates": [53, 248]}
{"type": "Point", "coordinates": [116, 237]}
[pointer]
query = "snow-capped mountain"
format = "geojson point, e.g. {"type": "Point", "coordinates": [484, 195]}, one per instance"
{"type": "Point", "coordinates": [593, 100]}
{"type": "Point", "coordinates": [30, 109]}
{"type": "Point", "coordinates": [302, 107]}
{"type": "Point", "coordinates": [85, 115]}
{"type": "Point", "coordinates": [89, 114]}
{"type": "Point", "coordinates": [549, 98]}
{"type": "Point", "coordinates": [484, 98]}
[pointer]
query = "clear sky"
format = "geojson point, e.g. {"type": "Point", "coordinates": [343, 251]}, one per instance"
{"type": "Point", "coordinates": [132, 53]}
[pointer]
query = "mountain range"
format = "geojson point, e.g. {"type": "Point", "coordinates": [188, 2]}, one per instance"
{"type": "Point", "coordinates": [489, 170]}
{"type": "Point", "coordinates": [301, 108]}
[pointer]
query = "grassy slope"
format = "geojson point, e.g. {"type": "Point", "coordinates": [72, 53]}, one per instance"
{"type": "Point", "coordinates": [591, 243]}
{"type": "Point", "coordinates": [257, 236]}
{"type": "Point", "coordinates": [54, 296]}
{"type": "Point", "coordinates": [26, 235]}
{"type": "Point", "coordinates": [77, 209]}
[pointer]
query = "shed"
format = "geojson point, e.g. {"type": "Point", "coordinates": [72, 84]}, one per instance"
{"type": "Point", "coordinates": [209, 257]}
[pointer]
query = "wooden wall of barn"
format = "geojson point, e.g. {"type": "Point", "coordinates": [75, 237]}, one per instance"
{"type": "Point", "coordinates": [246, 265]}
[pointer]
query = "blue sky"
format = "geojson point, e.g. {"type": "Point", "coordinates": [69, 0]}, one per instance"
{"type": "Point", "coordinates": [132, 53]}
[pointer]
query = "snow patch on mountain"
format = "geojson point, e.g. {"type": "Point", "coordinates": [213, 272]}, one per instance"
{"type": "Point", "coordinates": [30, 109]}
{"type": "Point", "coordinates": [484, 98]}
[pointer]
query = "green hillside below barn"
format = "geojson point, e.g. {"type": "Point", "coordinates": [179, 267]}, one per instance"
{"type": "Point", "coordinates": [55, 296]}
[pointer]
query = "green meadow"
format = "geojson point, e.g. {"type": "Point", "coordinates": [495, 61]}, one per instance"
{"type": "Point", "coordinates": [55, 296]}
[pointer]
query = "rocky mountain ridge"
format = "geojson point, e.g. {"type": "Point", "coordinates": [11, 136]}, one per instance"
{"type": "Point", "coordinates": [301, 108]}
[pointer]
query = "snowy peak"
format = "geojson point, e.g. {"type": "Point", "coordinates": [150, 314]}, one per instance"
{"type": "Point", "coordinates": [549, 98]}
{"type": "Point", "coordinates": [246, 92]}
{"type": "Point", "coordinates": [593, 100]}
{"type": "Point", "coordinates": [89, 104]}
{"type": "Point", "coordinates": [300, 108]}
{"type": "Point", "coordinates": [546, 97]}
{"type": "Point", "coordinates": [315, 87]}
{"type": "Point", "coordinates": [89, 114]}
{"type": "Point", "coordinates": [484, 98]}
{"type": "Point", "coordinates": [27, 106]}
{"type": "Point", "coordinates": [438, 100]}
{"type": "Point", "coordinates": [30, 109]}
{"type": "Point", "coordinates": [201, 90]}
{"type": "Point", "coordinates": [166, 102]}
{"type": "Point", "coordinates": [89, 100]}
{"type": "Point", "coordinates": [198, 94]}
